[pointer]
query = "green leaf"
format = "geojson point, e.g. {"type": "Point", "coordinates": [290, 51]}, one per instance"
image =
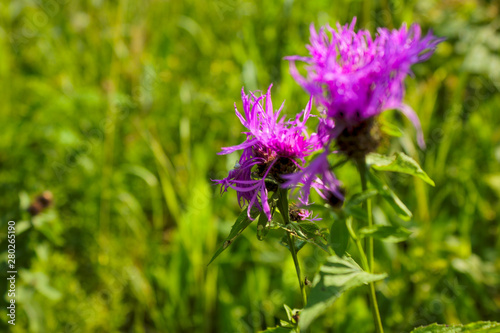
{"type": "Point", "coordinates": [278, 329]}
{"type": "Point", "coordinates": [339, 237]}
{"type": "Point", "coordinates": [22, 226]}
{"type": "Point", "coordinates": [286, 324]}
{"type": "Point", "coordinates": [352, 207]}
{"type": "Point", "coordinates": [359, 198]}
{"type": "Point", "coordinates": [263, 226]}
{"type": "Point", "coordinates": [289, 312]}
{"type": "Point", "coordinates": [399, 162]}
{"type": "Point", "coordinates": [336, 276]}
{"type": "Point", "coordinates": [299, 243]}
{"type": "Point", "coordinates": [389, 196]}
{"type": "Point", "coordinates": [357, 212]}
{"type": "Point", "coordinates": [324, 208]}
{"type": "Point", "coordinates": [41, 283]}
{"type": "Point", "coordinates": [310, 229]}
{"type": "Point", "coordinates": [292, 315]}
{"type": "Point", "coordinates": [477, 327]}
{"type": "Point", "coordinates": [283, 204]}
{"type": "Point", "coordinates": [387, 233]}
{"type": "Point", "coordinates": [390, 129]}
{"type": "Point", "coordinates": [305, 232]}
{"type": "Point", "coordinates": [493, 180]}
{"type": "Point", "coordinates": [24, 200]}
{"type": "Point", "coordinates": [241, 223]}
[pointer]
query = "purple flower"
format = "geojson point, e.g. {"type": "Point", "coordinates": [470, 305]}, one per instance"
{"type": "Point", "coordinates": [273, 147]}
{"type": "Point", "coordinates": [317, 175]}
{"type": "Point", "coordinates": [298, 215]}
{"type": "Point", "coordinates": [356, 77]}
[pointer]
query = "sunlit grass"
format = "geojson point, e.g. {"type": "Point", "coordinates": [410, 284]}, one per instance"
{"type": "Point", "coordinates": [119, 109]}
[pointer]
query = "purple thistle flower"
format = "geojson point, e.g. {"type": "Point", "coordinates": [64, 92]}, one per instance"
{"type": "Point", "coordinates": [356, 77]}
{"type": "Point", "coordinates": [273, 147]}
{"type": "Point", "coordinates": [298, 215]}
{"type": "Point", "coordinates": [317, 175]}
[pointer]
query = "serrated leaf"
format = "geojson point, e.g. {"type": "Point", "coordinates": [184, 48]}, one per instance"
{"type": "Point", "coordinates": [386, 233]}
{"type": "Point", "coordinates": [312, 235]}
{"type": "Point", "coordinates": [477, 327]}
{"type": "Point", "coordinates": [318, 241]}
{"type": "Point", "coordinates": [241, 223]}
{"type": "Point", "coordinates": [339, 236]}
{"type": "Point", "coordinates": [389, 196]}
{"type": "Point", "coordinates": [310, 229]}
{"type": "Point", "coordinates": [398, 162]}
{"type": "Point", "coordinates": [335, 277]}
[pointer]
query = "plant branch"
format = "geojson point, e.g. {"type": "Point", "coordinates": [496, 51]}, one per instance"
{"type": "Point", "coordinates": [362, 168]}
{"type": "Point", "coordinates": [283, 207]}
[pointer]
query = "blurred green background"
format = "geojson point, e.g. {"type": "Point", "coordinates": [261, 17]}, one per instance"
{"type": "Point", "coordinates": [119, 108]}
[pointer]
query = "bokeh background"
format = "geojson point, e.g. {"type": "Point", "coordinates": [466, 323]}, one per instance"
{"type": "Point", "coordinates": [119, 108]}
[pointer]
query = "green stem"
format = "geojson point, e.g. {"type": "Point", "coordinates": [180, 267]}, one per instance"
{"type": "Point", "coordinates": [283, 207]}
{"type": "Point", "coordinates": [369, 246]}
{"type": "Point", "coordinates": [356, 239]}
{"type": "Point", "coordinates": [369, 240]}
{"type": "Point", "coordinates": [293, 251]}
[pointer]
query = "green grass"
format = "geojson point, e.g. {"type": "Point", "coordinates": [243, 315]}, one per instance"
{"type": "Point", "coordinates": [119, 109]}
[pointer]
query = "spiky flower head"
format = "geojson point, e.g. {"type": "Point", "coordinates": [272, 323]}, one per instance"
{"type": "Point", "coordinates": [356, 77]}
{"type": "Point", "coordinates": [297, 214]}
{"type": "Point", "coordinates": [273, 147]}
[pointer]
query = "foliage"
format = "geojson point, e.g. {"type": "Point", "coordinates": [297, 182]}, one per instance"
{"type": "Point", "coordinates": [119, 107]}
{"type": "Point", "coordinates": [336, 276]}
{"type": "Point", "coordinates": [473, 327]}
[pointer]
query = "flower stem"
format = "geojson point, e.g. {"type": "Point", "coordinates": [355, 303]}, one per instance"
{"type": "Point", "coordinates": [369, 248]}
{"type": "Point", "coordinates": [283, 207]}
{"type": "Point", "coordinates": [293, 251]}
{"type": "Point", "coordinates": [356, 239]}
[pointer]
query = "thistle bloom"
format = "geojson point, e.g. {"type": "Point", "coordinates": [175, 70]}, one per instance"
{"type": "Point", "coordinates": [355, 77]}
{"type": "Point", "coordinates": [317, 175]}
{"type": "Point", "coordinates": [297, 214]}
{"type": "Point", "coordinates": [273, 147]}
